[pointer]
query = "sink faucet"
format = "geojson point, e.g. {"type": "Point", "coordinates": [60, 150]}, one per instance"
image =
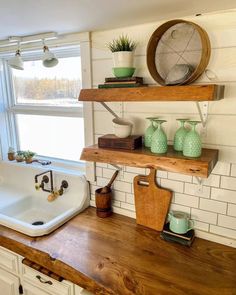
{"type": "Point", "coordinates": [55, 194]}
{"type": "Point", "coordinates": [45, 179]}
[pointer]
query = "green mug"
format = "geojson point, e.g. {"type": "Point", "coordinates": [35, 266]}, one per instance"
{"type": "Point", "coordinates": [180, 222]}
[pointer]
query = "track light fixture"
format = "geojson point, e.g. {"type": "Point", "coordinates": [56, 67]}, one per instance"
{"type": "Point", "coordinates": [49, 59]}
{"type": "Point", "coordinates": [16, 62]}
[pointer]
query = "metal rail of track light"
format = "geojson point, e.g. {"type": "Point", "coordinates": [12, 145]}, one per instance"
{"type": "Point", "coordinates": [48, 59]}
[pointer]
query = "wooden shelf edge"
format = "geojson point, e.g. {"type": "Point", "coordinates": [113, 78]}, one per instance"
{"type": "Point", "coordinates": [208, 92]}
{"type": "Point", "coordinates": [171, 161]}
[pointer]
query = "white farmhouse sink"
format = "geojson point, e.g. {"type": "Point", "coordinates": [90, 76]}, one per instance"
{"type": "Point", "coordinates": [33, 215]}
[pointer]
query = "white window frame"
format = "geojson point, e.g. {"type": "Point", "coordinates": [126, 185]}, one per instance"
{"type": "Point", "coordinates": [8, 110]}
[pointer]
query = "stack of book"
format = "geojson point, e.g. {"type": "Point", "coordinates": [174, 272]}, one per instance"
{"type": "Point", "coordinates": [114, 82]}
{"type": "Point", "coordinates": [183, 239]}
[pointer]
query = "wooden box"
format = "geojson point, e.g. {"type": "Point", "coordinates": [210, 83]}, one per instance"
{"type": "Point", "coordinates": [111, 141]}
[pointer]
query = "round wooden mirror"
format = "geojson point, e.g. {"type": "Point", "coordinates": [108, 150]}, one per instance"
{"type": "Point", "coordinates": [178, 52]}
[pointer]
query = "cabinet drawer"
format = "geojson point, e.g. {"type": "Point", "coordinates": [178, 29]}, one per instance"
{"type": "Point", "coordinates": [9, 260]}
{"type": "Point", "coordinates": [81, 291]}
{"type": "Point", "coordinates": [45, 282]}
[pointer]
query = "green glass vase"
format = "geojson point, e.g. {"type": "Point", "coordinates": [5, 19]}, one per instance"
{"type": "Point", "coordinates": [159, 139]}
{"type": "Point", "coordinates": [192, 143]}
{"type": "Point", "coordinates": [149, 132]}
{"type": "Point", "coordinates": [180, 136]}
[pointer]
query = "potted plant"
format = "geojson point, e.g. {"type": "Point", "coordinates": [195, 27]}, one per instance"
{"type": "Point", "coordinates": [20, 156]}
{"type": "Point", "coordinates": [11, 154]}
{"type": "Point", "coordinates": [122, 50]}
{"type": "Point", "coordinates": [29, 155]}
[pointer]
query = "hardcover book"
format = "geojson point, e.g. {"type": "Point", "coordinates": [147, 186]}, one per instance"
{"type": "Point", "coordinates": [128, 79]}
{"type": "Point", "coordinates": [120, 85]}
{"type": "Point", "coordinates": [183, 239]}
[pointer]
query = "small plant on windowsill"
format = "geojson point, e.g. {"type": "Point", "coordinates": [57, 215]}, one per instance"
{"type": "Point", "coordinates": [20, 156]}
{"type": "Point", "coordinates": [122, 50]}
{"type": "Point", "coordinates": [11, 154]}
{"type": "Point", "coordinates": [28, 156]}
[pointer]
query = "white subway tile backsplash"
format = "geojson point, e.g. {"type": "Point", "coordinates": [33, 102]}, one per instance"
{"type": "Point", "coordinates": [233, 170]}
{"type": "Point", "coordinates": [212, 180]}
{"type": "Point", "coordinates": [176, 207]}
{"type": "Point", "coordinates": [227, 221]}
{"type": "Point", "coordinates": [162, 174]}
{"type": "Point", "coordinates": [197, 190]}
{"type": "Point", "coordinates": [186, 200]}
{"type": "Point", "coordinates": [92, 203]}
{"type": "Point", "coordinates": [116, 203]}
{"type": "Point", "coordinates": [179, 177]}
{"type": "Point", "coordinates": [200, 225]}
{"type": "Point", "coordinates": [222, 168]}
{"type": "Point", "coordinates": [119, 196]}
{"type": "Point", "coordinates": [223, 195]}
{"type": "Point", "coordinates": [107, 173]}
{"type": "Point", "coordinates": [222, 231]}
{"type": "Point", "coordinates": [127, 206]}
{"type": "Point", "coordinates": [173, 185]}
{"type": "Point", "coordinates": [136, 170]}
{"type": "Point", "coordinates": [213, 206]}
{"type": "Point", "coordinates": [228, 182]}
{"type": "Point", "coordinates": [129, 177]}
{"type": "Point", "coordinates": [130, 198]}
{"type": "Point", "coordinates": [99, 171]}
{"type": "Point", "coordinates": [102, 165]}
{"type": "Point", "coordinates": [231, 210]}
{"type": "Point", "coordinates": [122, 211]}
{"type": "Point", "coordinates": [101, 182]}
{"type": "Point", "coordinates": [123, 186]}
{"type": "Point", "coordinates": [204, 216]}
{"type": "Point", "coordinates": [93, 188]}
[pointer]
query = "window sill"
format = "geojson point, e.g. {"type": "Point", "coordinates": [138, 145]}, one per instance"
{"type": "Point", "coordinates": [61, 167]}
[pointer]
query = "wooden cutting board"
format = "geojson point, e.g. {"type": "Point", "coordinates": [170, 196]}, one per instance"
{"type": "Point", "coordinates": [151, 201]}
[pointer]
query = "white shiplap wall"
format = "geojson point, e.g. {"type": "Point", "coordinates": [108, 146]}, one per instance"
{"type": "Point", "coordinates": [213, 206]}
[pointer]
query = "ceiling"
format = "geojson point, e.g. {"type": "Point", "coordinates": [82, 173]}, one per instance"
{"type": "Point", "coordinates": [28, 17]}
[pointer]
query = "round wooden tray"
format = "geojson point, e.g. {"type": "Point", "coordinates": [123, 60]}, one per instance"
{"type": "Point", "coordinates": [152, 51]}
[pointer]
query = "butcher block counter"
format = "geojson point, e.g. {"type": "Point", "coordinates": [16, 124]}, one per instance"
{"type": "Point", "coordinates": [116, 256]}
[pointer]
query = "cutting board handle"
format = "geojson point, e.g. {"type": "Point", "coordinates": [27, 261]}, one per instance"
{"type": "Point", "coordinates": [146, 180]}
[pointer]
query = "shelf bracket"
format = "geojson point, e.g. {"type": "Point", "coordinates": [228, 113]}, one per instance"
{"type": "Point", "coordinates": [120, 169]}
{"type": "Point", "coordinates": [109, 109]}
{"type": "Point", "coordinates": [199, 180]}
{"type": "Point", "coordinates": [115, 166]}
{"type": "Point", "coordinates": [203, 112]}
{"type": "Point", "coordinates": [200, 184]}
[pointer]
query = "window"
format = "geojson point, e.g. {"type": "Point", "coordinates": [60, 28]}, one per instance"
{"type": "Point", "coordinates": [43, 105]}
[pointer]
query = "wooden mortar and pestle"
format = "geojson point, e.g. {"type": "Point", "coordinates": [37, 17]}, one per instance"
{"type": "Point", "coordinates": [103, 197]}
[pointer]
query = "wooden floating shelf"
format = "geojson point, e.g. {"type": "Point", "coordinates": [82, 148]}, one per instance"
{"type": "Point", "coordinates": [164, 93]}
{"type": "Point", "coordinates": [171, 161]}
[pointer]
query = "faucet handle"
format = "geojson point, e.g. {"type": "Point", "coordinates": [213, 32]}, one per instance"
{"type": "Point", "coordinates": [53, 196]}
{"type": "Point", "coordinates": [37, 186]}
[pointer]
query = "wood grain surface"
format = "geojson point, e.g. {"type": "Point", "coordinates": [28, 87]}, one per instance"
{"type": "Point", "coordinates": [171, 161]}
{"type": "Point", "coordinates": [165, 93]}
{"type": "Point", "coordinates": [151, 201]}
{"type": "Point", "coordinates": [116, 256]}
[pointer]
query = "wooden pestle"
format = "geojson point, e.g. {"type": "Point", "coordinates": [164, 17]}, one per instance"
{"type": "Point", "coordinates": [106, 188]}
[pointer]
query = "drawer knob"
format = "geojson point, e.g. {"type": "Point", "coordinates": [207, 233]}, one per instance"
{"type": "Point", "coordinates": [43, 281]}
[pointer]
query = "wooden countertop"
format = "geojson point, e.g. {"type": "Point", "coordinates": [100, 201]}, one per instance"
{"type": "Point", "coordinates": [116, 256]}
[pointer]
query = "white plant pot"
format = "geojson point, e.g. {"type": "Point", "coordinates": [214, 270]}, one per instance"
{"type": "Point", "coordinates": [123, 59]}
